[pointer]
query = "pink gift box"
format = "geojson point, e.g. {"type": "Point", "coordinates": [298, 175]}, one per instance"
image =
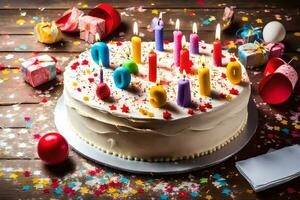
{"type": "Point", "coordinates": [90, 26]}
{"type": "Point", "coordinates": [276, 49]}
{"type": "Point", "coordinates": [39, 70]}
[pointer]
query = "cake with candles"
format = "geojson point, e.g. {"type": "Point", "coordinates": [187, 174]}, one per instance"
{"type": "Point", "coordinates": [156, 101]}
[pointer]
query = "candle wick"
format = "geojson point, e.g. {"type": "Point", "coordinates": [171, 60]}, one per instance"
{"type": "Point", "coordinates": [291, 60]}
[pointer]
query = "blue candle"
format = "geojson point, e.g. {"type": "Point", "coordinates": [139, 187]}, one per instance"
{"type": "Point", "coordinates": [100, 52]}
{"type": "Point", "coordinates": [184, 93]}
{"type": "Point", "coordinates": [122, 77]}
{"type": "Point", "coordinates": [159, 34]}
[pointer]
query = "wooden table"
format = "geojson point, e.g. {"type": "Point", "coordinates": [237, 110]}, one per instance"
{"type": "Point", "coordinates": [27, 113]}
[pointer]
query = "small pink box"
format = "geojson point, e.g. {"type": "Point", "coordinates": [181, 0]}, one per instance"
{"type": "Point", "coordinates": [39, 70]}
{"type": "Point", "coordinates": [276, 49]}
{"type": "Point", "coordinates": [90, 26]}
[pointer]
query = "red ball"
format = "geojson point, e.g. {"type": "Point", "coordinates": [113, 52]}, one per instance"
{"type": "Point", "coordinates": [53, 148]}
{"type": "Point", "coordinates": [102, 91]}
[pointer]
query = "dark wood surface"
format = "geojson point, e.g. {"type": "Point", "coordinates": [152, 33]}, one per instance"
{"type": "Point", "coordinates": [27, 113]}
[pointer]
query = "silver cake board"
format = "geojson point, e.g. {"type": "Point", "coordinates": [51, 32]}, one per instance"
{"type": "Point", "coordinates": [142, 167]}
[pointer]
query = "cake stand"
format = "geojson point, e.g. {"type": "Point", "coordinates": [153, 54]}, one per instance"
{"type": "Point", "coordinates": [142, 167]}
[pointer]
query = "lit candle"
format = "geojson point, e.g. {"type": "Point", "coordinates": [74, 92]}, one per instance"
{"type": "Point", "coordinates": [136, 45]}
{"type": "Point", "coordinates": [101, 72]}
{"type": "Point", "coordinates": [184, 58]}
{"type": "Point", "coordinates": [234, 72]}
{"type": "Point", "coordinates": [204, 79]}
{"type": "Point", "coordinates": [100, 52]}
{"type": "Point", "coordinates": [152, 60]}
{"type": "Point", "coordinates": [159, 35]}
{"type": "Point", "coordinates": [158, 96]}
{"type": "Point", "coordinates": [184, 92]}
{"type": "Point", "coordinates": [194, 40]}
{"type": "Point", "coordinates": [177, 43]}
{"type": "Point", "coordinates": [217, 52]}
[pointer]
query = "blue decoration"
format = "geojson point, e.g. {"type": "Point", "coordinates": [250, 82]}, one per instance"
{"type": "Point", "coordinates": [100, 52]}
{"type": "Point", "coordinates": [122, 77]}
{"type": "Point", "coordinates": [26, 187]}
{"type": "Point", "coordinates": [164, 197]}
{"type": "Point", "coordinates": [249, 34]}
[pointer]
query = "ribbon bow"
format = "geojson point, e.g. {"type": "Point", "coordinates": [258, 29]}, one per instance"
{"type": "Point", "coordinates": [249, 30]}
{"type": "Point", "coordinates": [256, 47]}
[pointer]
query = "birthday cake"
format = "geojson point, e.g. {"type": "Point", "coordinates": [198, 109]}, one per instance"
{"type": "Point", "coordinates": [128, 126]}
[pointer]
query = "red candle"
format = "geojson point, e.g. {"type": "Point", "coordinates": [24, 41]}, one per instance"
{"type": "Point", "coordinates": [152, 60]}
{"type": "Point", "coordinates": [217, 52]}
{"type": "Point", "coordinates": [184, 58]}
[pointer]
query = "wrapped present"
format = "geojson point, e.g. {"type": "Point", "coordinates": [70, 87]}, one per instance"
{"type": "Point", "coordinates": [91, 26]}
{"type": "Point", "coordinates": [68, 22]}
{"type": "Point", "coordinates": [39, 70]}
{"type": "Point", "coordinates": [249, 34]}
{"type": "Point", "coordinates": [276, 49]}
{"type": "Point", "coordinates": [47, 32]}
{"type": "Point", "coordinates": [253, 54]}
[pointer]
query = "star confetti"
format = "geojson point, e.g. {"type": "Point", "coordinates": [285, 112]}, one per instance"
{"type": "Point", "coordinates": [125, 108]}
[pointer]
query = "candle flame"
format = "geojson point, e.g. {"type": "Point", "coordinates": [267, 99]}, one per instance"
{"type": "Point", "coordinates": [160, 16]}
{"type": "Point", "coordinates": [194, 27]}
{"type": "Point", "coordinates": [202, 60]}
{"type": "Point", "coordinates": [184, 74]}
{"type": "Point", "coordinates": [135, 28]}
{"type": "Point", "coordinates": [218, 32]}
{"type": "Point", "coordinates": [100, 64]}
{"type": "Point", "coordinates": [177, 24]}
{"type": "Point", "coordinates": [157, 81]}
{"type": "Point", "coordinates": [97, 37]}
{"type": "Point", "coordinates": [183, 41]}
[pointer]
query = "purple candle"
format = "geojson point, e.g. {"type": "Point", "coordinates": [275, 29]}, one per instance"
{"type": "Point", "coordinates": [101, 72]}
{"type": "Point", "coordinates": [177, 43]}
{"type": "Point", "coordinates": [194, 40]}
{"type": "Point", "coordinates": [159, 34]}
{"type": "Point", "coordinates": [184, 93]}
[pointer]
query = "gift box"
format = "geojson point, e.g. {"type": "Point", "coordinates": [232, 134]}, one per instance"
{"type": "Point", "coordinates": [276, 49]}
{"type": "Point", "coordinates": [91, 26]}
{"type": "Point", "coordinates": [249, 34]}
{"type": "Point", "coordinates": [39, 70]}
{"type": "Point", "coordinates": [253, 55]}
{"type": "Point", "coordinates": [68, 22]}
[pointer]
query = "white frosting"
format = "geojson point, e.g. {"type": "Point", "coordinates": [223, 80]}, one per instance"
{"type": "Point", "coordinates": [134, 135]}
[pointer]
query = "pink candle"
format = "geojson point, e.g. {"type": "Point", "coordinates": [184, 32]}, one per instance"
{"type": "Point", "coordinates": [217, 52]}
{"type": "Point", "coordinates": [177, 43]}
{"type": "Point", "coordinates": [194, 40]}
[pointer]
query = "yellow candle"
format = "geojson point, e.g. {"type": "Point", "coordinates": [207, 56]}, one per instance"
{"type": "Point", "coordinates": [136, 45]}
{"type": "Point", "coordinates": [234, 72]}
{"type": "Point", "coordinates": [158, 96]}
{"type": "Point", "coordinates": [204, 79]}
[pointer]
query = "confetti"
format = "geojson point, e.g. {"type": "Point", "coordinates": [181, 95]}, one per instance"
{"type": "Point", "coordinates": [20, 22]}
{"type": "Point", "coordinates": [245, 19]}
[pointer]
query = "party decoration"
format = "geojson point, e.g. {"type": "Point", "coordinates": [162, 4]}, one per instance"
{"type": "Point", "coordinates": [53, 148]}
{"type": "Point", "coordinates": [89, 27]}
{"type": "Point", "coordinates": [158, 96]}
{"type": "Point", "coordinates": [102, 91]}
{"type": "Point", "coordinates": [217, 51]}
{"type": "Point", "coordinates": [249, 34]}
{"type": "Point", "coordinates": [136, 45]}
{"type": "Point", "coordinates": [47, 32]}
{"type": "Point", "coordinates": [122, 77]}
{"type": "Point", "coordinates": [234, 72]}
{"type": "Point", "coordinates": [69, 21]}
{"type": "Point", "coordinates": [278, 82]}
{"type": "Point", "coordinates": [274, 32]}
{"type": "Point", "coordinates": [100, 52]}
{"type": "Point", "coordinates": [39, 70]}
{"type": "Point", "coordinates": [228, 17]}
{"type": "Point", "coordinates": [109, 14]}
{"type": "Point", "coordinates": [276, 49]}
{"type": "Point", "coordinates": [253, 54]}
{"type": "Point", "coordinates": [131, 66]}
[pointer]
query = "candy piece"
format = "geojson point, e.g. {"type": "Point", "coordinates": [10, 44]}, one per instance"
{"type": "Point", "coordinates": [122, 77]}
{"type": "Point", "coordinates": [234, 72]}
{"type": "Point", "coordinates": [131, 66]}
{"type": "Point", "coordinates": [39, 70]}
{"type": "Point", "coordinates": [47, 32]}
{"type": "Point", "coordinates": [69, 20]}
{"type": "Point", "coordinates": [89, 27]}
{"type": "Point", "coordinates": [158, 96]}
{"type": "Point", "coordinates": [102, 91]}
